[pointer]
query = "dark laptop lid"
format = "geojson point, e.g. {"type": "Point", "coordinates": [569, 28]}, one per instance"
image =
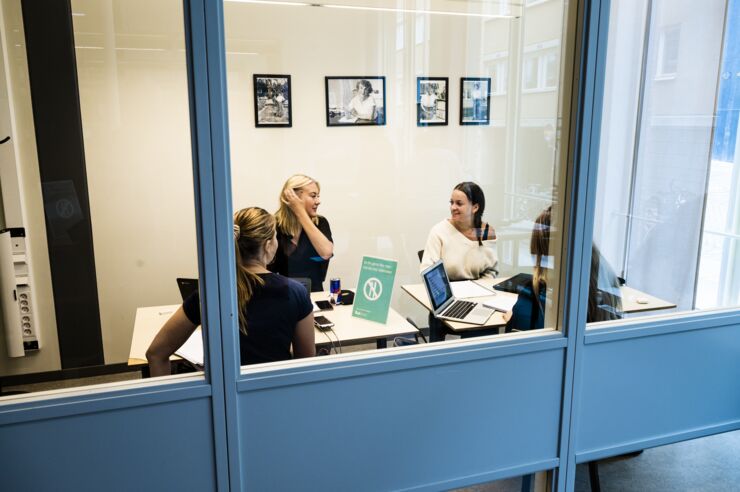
{"type": "Point", "coordinates": [187, 286]}
{"type": "Point", "coordinates": [437, 284]}
{"type": "Point", "coordinates": [514, 284]}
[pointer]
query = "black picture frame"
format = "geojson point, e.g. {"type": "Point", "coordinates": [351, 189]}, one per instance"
{"type": "Point", "coordinates": [267, 113]}
{"type": "Point", "coordinates": [438, 115]}
{"type": "Point", "coordinates": [471, 110]}
{"type": "Point", "coordinates": [340, 92]}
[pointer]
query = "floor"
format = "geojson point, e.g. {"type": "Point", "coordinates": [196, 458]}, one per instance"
{"type": "Point", "coordinates": [710, 464]}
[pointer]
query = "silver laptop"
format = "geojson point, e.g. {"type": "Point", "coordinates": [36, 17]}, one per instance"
{"type": "Point", "coordinates": [444, 305]}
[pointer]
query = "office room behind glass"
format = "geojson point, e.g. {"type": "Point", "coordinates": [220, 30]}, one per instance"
{"type": "Point", "coordinates": [383, 185]}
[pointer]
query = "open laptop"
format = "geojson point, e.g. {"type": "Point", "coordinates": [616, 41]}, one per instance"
{"type": "Point", "coordinates": [444, 305]}
{"type": "Point", "coordinates": [187, 286]}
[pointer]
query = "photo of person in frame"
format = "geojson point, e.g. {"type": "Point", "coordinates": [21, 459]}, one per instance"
{"type": "Point", "coordinates": [353, 101]}
{"type": "Point", "coordinates": [475, 101]}
{"type": "Point", "coordinates": [431, 101]}
{"type": "Point", "coordinates": [272, 101]}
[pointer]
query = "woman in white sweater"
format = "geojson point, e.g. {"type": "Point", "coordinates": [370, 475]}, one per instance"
{"type": "Point", "coordinates": [465, 244]}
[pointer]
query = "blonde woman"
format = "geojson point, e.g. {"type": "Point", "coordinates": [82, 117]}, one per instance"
{"type": "Point", "coordinates": [275, 313]}
{"type": "Point", "coordinates": [304, 237]}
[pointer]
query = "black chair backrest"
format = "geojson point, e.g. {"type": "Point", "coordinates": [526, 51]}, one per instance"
{"type": "Point", "coordinates": [305, 281]}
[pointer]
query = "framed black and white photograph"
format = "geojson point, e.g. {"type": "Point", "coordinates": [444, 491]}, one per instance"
{"type": "Point", "coordinates": [272, 101]}
{"type": "Point", "coordinates": [355, 101]}
{"type": "Point", "coordinates": [431, 101]}
{"type": "Point", "coordinates": [475, 101]}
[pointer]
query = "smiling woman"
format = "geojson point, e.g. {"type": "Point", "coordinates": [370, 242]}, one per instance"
{"type": "Point", "coordinates": [304, 237]}
{"type": "Point", "coordinates": [465, 243]}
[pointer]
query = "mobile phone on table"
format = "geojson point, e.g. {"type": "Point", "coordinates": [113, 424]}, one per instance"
{"type": "Point", "coordinates": [322, 323]}
{"type": "Point", "coordinates": [324, 305]}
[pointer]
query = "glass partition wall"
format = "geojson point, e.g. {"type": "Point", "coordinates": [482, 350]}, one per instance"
{"type": "Point", "coordinates": [383, 110]}
{"type": "Point", "coordinates": [104, 191]}
{"type": "Point", "coordinates": [665, 224]}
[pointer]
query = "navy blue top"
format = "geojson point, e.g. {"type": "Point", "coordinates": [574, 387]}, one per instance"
{"type": "Point", "coordinates": [302, 260]}
{"type": "Point", "coordinates": [272, 315]}
{"type": "Point", "coordinates": [528, 314]}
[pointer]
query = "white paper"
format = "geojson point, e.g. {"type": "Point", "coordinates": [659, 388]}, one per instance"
{"type": "Point", "coordinates": [192, 349]}
{"type": "Point", "coordinates": [502, 302]}
{"type": "Point", "coordinates": [467, 288]}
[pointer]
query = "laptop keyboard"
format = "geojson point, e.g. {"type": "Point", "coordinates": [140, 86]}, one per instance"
{"type": "Point", "coordinates": [459, 309]}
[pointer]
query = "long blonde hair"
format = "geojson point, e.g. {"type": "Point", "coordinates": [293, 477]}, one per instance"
{"type": "Point", "coordinates": [253, 227]}
{"type": "Point", "coordinates": [539, 246]}
{"type": "Point", "coordinates": [287, 222]}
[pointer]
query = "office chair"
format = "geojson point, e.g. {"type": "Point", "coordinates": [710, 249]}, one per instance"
{"type": "Point", "coordinates": [304, 281]}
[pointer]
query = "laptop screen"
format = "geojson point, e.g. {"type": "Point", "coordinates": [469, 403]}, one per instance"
{"type": "Point", "coordinates": [437, 284]}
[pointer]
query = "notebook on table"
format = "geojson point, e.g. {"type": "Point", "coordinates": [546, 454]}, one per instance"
{"type": "Point", "coordinates": [445, 305]}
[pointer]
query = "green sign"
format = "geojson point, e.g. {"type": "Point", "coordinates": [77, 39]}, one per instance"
{"type": "Point", "coordinates": [374, 289]}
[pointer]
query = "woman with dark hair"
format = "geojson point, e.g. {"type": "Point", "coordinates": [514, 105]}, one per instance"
{"type": "Point", "coordinates": [604, 301]}
{"type": "Point", "coordinates": [275, 312]}
{"type": "Point", "coordinates": [465, 243]}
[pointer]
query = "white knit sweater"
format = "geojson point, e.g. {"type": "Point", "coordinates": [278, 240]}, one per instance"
{"type": "Point", "coordinates": [464, 259]}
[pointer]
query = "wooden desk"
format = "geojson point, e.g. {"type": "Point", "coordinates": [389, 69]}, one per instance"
{"type": "Point", "coordinates": [630, 305]}
{"type": "Point", "coordinates": [347, 329]}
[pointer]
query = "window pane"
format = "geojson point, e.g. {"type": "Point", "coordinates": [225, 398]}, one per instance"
{"type": "Point", "coordinates": [665, 199]}
{"type": "Point", "coordinates": [102, 214]}
{"type": "Point", "coordinates": [386, 130]}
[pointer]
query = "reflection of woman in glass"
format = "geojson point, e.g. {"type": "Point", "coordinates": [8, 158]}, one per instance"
{"type": "Point", "coordinates": [275, 313]}
{"type": "Point", "coordinates": [362, 106]}
{"type": "Point", "coordinates": [604, 299]}
{"type": "Point", "coordinates": [304, 237]}
{"type": "Point", "coordinates": [529, 311]}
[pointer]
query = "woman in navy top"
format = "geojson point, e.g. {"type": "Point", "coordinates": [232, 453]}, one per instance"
{"type": "Point", "coordinates": [275, 313]}
{"type": "Point", "coordinates": [304, 237]}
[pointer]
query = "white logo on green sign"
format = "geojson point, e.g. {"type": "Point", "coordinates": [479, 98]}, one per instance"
{"type": "Point", "coordinates": [373, 289]}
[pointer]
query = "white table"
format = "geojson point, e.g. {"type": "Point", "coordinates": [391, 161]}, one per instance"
{"type": "Point", "coordinates": [630, 304]}
{"type": "Point", "coordinates": [347, 329]}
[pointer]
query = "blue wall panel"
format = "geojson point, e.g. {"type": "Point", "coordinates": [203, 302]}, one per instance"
{"type": "Point", "coordinates": [166, 446]}
{"type": "Point", "coordinates": [655, 385]}
{"type": "Point", "coordinates": [431, 426]}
